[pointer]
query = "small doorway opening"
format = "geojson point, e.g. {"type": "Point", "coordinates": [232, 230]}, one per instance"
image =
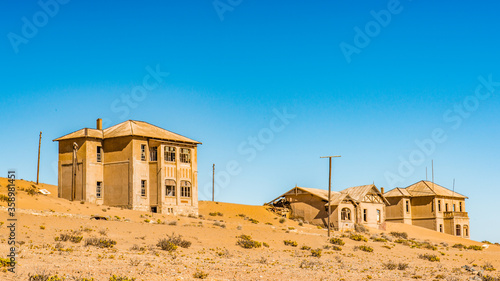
{"type": "Point", "coordinates": [154, 209]}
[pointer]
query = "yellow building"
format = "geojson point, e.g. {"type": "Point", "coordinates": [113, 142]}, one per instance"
{"type": "Point", "coordinates": [363, 205]}
{"type": "Point", "coordinates": [429, 205]}
{"type": "Point", "coordinates": [133, 165]}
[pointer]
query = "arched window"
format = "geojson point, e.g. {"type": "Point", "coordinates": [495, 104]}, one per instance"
{"type": "Point", "coordinates": [185, 189]}
{"type": "Point", "coordinates": [345, 214]}
{"type": "Point", "coordinates": [170, 188]}
{"type": "Point", "coordinates": [466, 230]}
{"type": "Point", "coordinates": [458, 228]}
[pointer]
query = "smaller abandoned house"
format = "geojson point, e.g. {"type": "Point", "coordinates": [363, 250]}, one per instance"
{"type": "Point", "coordinates": [363, 205]}
{"type": "Point", "coordinates": [429, 205]}
{"type": "Point", "coordinates": [133, 165]}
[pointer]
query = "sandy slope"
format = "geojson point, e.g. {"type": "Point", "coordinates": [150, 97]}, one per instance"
{"type": "Point", "coordinates": [213, 250]}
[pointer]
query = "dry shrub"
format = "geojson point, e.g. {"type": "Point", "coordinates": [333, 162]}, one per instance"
{"type": "Point", "coordinates": [246, 242]}
{"type": "Point", "coordinates": [337, 241]}
{"type": "Point", "coordinates": [403, 235]}
{"type": "Point", "coordinates": [100, 242]}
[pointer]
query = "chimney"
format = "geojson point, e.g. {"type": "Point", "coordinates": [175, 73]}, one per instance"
{"type": "Point", "coordinates": [382, 190]}
{"type": "Point", "coordinates": [99, 124]}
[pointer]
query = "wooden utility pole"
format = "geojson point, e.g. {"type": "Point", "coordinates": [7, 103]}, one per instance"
{"type": "Point", "coordinates": [38, 166]}
{"type": "Point", "coordinates": [213, 182]}
{"type": "Point", "coordinates": [329, 189]}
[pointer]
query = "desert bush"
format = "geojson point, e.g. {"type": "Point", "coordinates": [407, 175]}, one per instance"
{"type": "Point", "coordinates": [306, 248]}
{"type": "Point", "coordinates": [213, 214]}
{"type": "Point", "coordinates": [172, 242]}
{"type": "Point", "coordinates": [290, 243]}
{"type": "Point", "coordinates": [402, 266]}
{"type": "Point", "coordinates": [361, 228]}
{"type": "Point", "coordinates": [337, 241]}
{"type": "Point", "coordinates": [305, 264]}
{"type": "Point", "coordinates": [265, 244]}
{"type": "Point", "coordinates": [459, 246]}
{"type": "Point", "coordinates": [390, 265]}
{"type": "Point", "coordinates": [316, 253]}
{"type": "Point", "coordinates": [358, 237]}
{"type": "Point", "coordinates": [5, 262]}
{"type": "Point", "coordinates": [4, 198]}
{"type": "Point", "coordinates": [488, 266]}
{"type": "Point", "coordinates": [44, 277]}
{"type": "Point", "coordinates": [282, 220]}
{"type": "Point", "coordinates": [246, 242]}
{"type": "Point", "coordinates": [378, 239]}
{"type": "Point", "coordinates": [100, 242]}
{"type": "Point", "coordinates": [475, 248]}
{"type": "Point", "coordinates": [253, 221]}
{"type": "Point", "coordinates": [336, 248]}
{"type": "Point", "coordinates": [402, 241]}
{"type": "Point", "coordinates": [429, 257]}
{"type": "Point", "coordinates": [135, 262]}
{"type": "Point", "coordinates": [120, 278]}
{"type": "Point", "coordinates": [489, 278]}
{"type": "Point", "coordinates": [364, 248]}
{"type": "Point", "coordinates": [403, 235]}
{"type": "Point", "coordinates": [200, 274]}
{"type": "Point", "coordinates": [69, 237]}
{"type": "Point", "coordinates": [172, 223]}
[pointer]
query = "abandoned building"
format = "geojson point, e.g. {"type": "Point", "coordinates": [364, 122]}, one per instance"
{"type": "Point", "coordinates": [363, 205]}
{"type": "Point", "coordinates": [133, 164]}
{"type": "Point", "coordinates": [429, 205]}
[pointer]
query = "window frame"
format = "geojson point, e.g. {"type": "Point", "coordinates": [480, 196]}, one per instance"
{"type": "Point", "coordinates": [168, 152]}
{"type": "Point", "coordinates": [153, 153]}
{"type": "Point", "coordinates": [99, 154]}
{"type": "Point", "coordinates": [458, 230]}
{"type": "Point", "coordinates": [365, 215]}
{"type": "Point", "coordinates": [379, 216]}
{"type": "Point", "coordinates": [345, 212]}
{"type": "Point", "coordinates": [185, 189]}
{"type": "Point", "coordinates": [185, 157]}
{"type": "Point", "coordinates": [143, 152]}
{"type": "Point", "coordinates": [439, 205]}
{"type": "Point", "coordinates": [98, 190]}
{"type": "Point", "coordinates": [144, 187]}
{"type": "Point", "coordinates": [407, 203]}
{"type": "Point", "coordinates": [168, 184]}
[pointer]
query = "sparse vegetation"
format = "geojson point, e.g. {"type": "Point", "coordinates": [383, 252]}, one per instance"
{"type": "Point", "coordinates": [488, 266]}
{"type": "Point", "coordinates": [358, 237]}
{"type": "Point", "coordinates": [246, 242]}
{"type": "Point", "coordinates": [397, 234]}
{"type": "Point", "coordinates": [200, 274]}
{"type": "Point", "coordinates": [172, 242]}
{"type": "Point", "coordinates": [306, 248]}
{"type": "Point", "coordinates": [69, 237]}
{"type": "Point", "coordinates": [290, 243]}
{"type": "Point", "coordinates": [364, 248]}
{"type": "Point", "coordinates": [100, 242]}
{"type": "Point", "coordinates": [120, 278]}
{"type": "Point", "coordinates": [282, 220]}
{"type": "Point", "coordinates": [337, 241]}
{"type": "Point", "coordinates": [392, 265]}
{"type": "Point", "coordinates": [316, 253]}
{"type": "Point", "coordinates": [361, 228]}
{"type": "Point", "coordinates": [429, 257]}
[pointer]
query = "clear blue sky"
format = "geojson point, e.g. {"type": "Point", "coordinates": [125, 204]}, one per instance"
{"type": "Point", "coordinates": [232, 68]}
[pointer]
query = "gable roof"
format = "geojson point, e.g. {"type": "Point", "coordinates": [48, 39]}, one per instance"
{"type": "Point", "coordinates": [129, 128]}
{"type": "Point", "coordinates": [358, 193]}
{"type": "Point", "coordinates": [397, 192]}
{"type": "Point", "coordinates": [423, 188]}
{"type": "Point", "coordinates": [336, 197]}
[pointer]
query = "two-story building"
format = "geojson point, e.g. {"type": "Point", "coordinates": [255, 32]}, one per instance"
{"type": "Point", "coordinates": [429, 205]}
{"type": "Point", "coordinates": [133, 164]}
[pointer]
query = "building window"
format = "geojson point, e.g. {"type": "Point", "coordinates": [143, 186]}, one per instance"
{"type": "Point", "coordinates": [345, 214]}
{"type": "Point", "coordinates": [446, 207]}
{"type": "Point", "coordinates": [458, 228]}
{"type": "Point", "coordinates": [432, 206]}
{"type": "Point", "coordinates": [439, 205]}
{"type": "Point", "coordinates": [407, 206]}
{"type": "Point", "coordinates": [460, 206]}
{"type": "Point", "coordinates": [365, 215]}
{"type": "Point", "coordinates": [185, 189]}
{"type": "Point", "coordinates": [143, 152]}
{"type": "Point", "coordinates": [153, 153]}
{"type": "Point", "coordinates": [466, 230]}
{"type": "Point", "coordinates": [143, 188]}
{"type": "Point", "coordinates": [99, 154]}
{"type": "Point", "coordinates": [378, 216]}
{"type": "Point", "coordinates": [170, 188]}
{"type": "Point", "coordinates": [185, 155]}
{"type": "Point", "coordinates": [98, 190]}
{"type": "Point", "coordinates": [440, 228]}
{"type": "Point", "coordinates": [169, 152]}
{"type": "Point", "coordinates": [453, 207]}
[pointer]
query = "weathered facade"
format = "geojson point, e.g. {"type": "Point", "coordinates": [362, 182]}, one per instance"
{"type": "Point", "coordinates": [133, 164]}
{"type": "Point", "coordinates": [356, 205]}
{"type": "Point", "coordinates": [429, 205]}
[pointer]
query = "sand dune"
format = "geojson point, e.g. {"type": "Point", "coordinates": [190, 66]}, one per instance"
{"type": "Point", "coordinates": [214, 250]}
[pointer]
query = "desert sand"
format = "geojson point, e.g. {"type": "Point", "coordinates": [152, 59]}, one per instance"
{"type": "Point", "coordinates": [214, 253]}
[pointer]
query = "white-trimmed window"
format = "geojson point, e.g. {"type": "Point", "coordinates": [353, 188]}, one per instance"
{"type": "Point", "coordinates": [98, 189]}
{"type": "Point", "coordinates": [185, 155]}
{"type": "Point", "coordinates": [169, 153]}
{"type": "Point", "coordinates": [185, 189]}
{"type": "Point", "coordinates": [144, 185]}
{"type": "Point", "coordinates": [170, 188]}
